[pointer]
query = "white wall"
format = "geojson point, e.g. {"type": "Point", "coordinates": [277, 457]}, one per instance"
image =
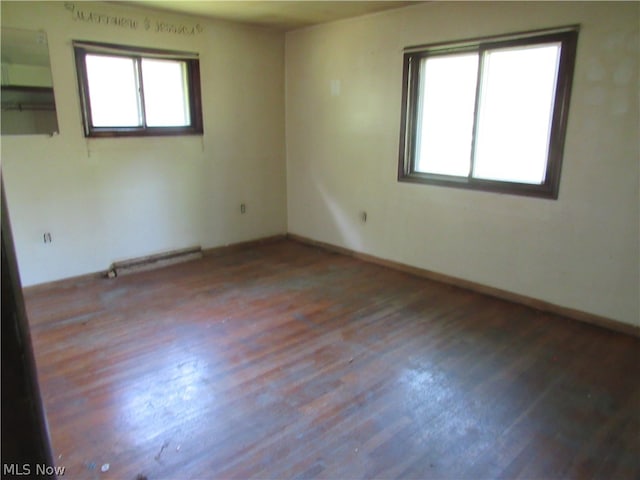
{"type": "Point", "coordinates": [110, 199]}
{"type": "Point", "coordinates": [105, 200]}
{"type": "Point", "coordinates": [343, 99]}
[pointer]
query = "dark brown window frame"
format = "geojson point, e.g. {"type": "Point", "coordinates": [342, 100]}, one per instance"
{"type": "Point", "coordinates": [567, 36]}
{"type": "Point", "coordinates": [82, 49]}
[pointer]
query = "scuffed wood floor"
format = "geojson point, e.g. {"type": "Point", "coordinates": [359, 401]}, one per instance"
{"type": "Point", "coordinates": [285, 361]}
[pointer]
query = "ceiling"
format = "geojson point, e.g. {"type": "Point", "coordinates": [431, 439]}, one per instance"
{"type": "Point", "coordinates": [281, 15]}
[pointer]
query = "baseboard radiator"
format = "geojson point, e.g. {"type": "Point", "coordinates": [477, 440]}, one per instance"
{"type": "Point", "coordinates": [151, 262]}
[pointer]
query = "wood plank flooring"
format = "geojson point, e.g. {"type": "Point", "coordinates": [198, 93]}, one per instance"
{"type": "Point", "coordinates": [286, 361]}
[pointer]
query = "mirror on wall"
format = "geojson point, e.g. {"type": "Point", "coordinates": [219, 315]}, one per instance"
{"type": "Point", "coordinates": [28, 103]}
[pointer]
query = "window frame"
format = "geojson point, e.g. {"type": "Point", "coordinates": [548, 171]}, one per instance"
{"type": "Point", "coordinates": [566, 36]}
{"type": "Point", "coordinates": [192, 64]}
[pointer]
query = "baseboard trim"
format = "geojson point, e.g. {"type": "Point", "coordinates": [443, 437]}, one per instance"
{"type": "Point", "coordinates": [531, 302]}
{"type": "Point", "coordinates": [155, 261]}
{"type": "Point", "coordinates": [63, 283]}
{"type": "Point", "coordinates": [78, 279]}
{"type": "Point", "coordinates": [234, 247]}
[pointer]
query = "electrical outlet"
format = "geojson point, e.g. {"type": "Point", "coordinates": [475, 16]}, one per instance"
{"type": "Point", "coordinates": [47, 237]}
{"type": "Point", "coordinates": [243, 208]}
{"type": "Point", "coordinates": [363, 217]}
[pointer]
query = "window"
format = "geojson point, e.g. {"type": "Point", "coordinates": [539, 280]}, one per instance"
{"type": "Point", "coordinates": [126, 91]}
{"type": "Point", "coordinates": [488, 114]}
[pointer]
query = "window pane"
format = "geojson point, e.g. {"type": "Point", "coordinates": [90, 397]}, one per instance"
{"type": "Point", "coordinates": [112, 91]}
{"type": "Point", "coordinates": [445, 115]}
{"type": "Point", "coordinates": [516, 106]}
{"type": "Point", "coordinates": [165, 93]}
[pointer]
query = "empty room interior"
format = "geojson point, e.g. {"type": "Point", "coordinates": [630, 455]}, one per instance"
{"type": "Point", "coordinates": [315, 239]}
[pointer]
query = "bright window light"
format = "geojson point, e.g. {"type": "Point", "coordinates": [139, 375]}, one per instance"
{"type": "Point", "coordinates": [516, 108]}
{"type": "Point", "coordinates": [113, 91]}
{"type": "Point", "coordinates": [488, 114]}
{"type": "Point", "coordinates": [131, 91]}
{"type": "Point", "coordinates": [165, 93]}
{"type": "Point", "coordinates": [445, 119]}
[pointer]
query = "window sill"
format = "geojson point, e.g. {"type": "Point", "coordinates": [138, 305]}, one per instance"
{"type": "Point", "coordinates": [510, 188]}
{"type": "Point", "coordinates": [147, 132]}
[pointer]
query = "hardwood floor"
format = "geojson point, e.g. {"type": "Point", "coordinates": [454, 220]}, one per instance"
{"type": "Point", "coordinates": [286, 361]}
